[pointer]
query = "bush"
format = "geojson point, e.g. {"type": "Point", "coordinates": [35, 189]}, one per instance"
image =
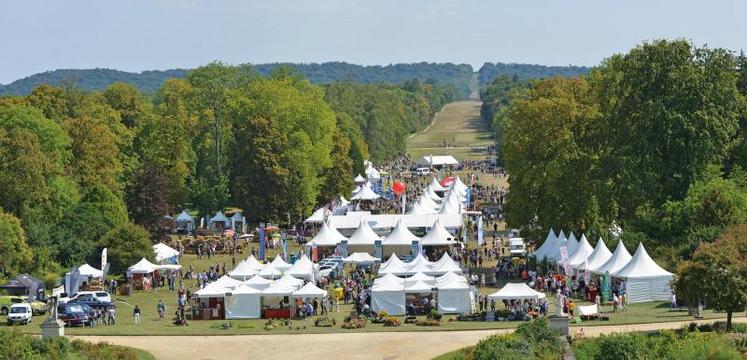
{"type": "Point", "coordinates": [392, 321]}
{"type": "Point", "coordinates": [428, 322]}
{"type": "Point", "coordinates": [354, 323]}
{"type": "Point", "coordinates": [325, 322]}
{"type": "Point", "coordinates": [506, 346]}
{"type": "Point", "coordinates": [18, 346]}
{"type": "Point", "coordinates": [435, 315]}
{"type": "Point", "coordinates": [273, 324]}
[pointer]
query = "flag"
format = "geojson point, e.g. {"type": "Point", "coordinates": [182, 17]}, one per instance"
{"type": "Point", "coordinates": [469, 196]}
{"type": "Point", "coordinates": [480, 235]}
{"type": "Point", "coordinates": [74, 281]}
{"type": "Point", "coordinates": [404, 202]}
{"type": "Point", "coordinates": [314, 252]}
{"type": "Point", "coordinates": [285, 246]}
{"type": "Point", "coordinates": [261, 231]}
{"type": "Point", "coordinates": [564, 259]}
{"type": "Point", "coordinates": [103, 259]}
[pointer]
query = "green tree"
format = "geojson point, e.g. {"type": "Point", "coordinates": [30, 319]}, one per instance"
{"type": "Point", "coordinates": [16, 253]}
{"type": "Point", "coordinates": [717, 273]}
{"type": "Point", "coordinates": [128, 102]}
{"type": "Point", "coordinates": [126, 244]}
{"type": "Point", "coordinates": [338, 179]}
{"type": "Point", "coordinates": [95, 159]}
{"type": "Point", "coordinates": [148, 199]}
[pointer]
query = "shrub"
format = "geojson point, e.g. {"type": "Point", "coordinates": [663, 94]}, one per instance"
{"type": "Point", "coordinates": [354, 323]}
{"type": "Point", "coordinates": [435, 315]}
{"type": "Point", "coordinates": [428, 322]}
{"type": "Point", "coordinates": [325, 322]}
{"type": "Point", "coordinates": [392, 321]}
{"type": "Point", "coordinates": [507, 346]}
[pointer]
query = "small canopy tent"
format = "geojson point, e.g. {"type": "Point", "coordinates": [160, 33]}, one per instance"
{"type": "Point", "coordinates": [393, 266]}
{"type": "Point", "coordinates": [258, 283]}
{"type": "Point", "coordinates": [219, 221]}
{"type": "Point", "coordinates": [582, 253]}
{"type": "Point", "coordinates": [142, 267]}
{"type": "Point", "coordinates": [238, 221]}
{"type": "Point", "coordinates": [328, 236]}
{"type": "Point", "coordinates": [540, 252]}
{"type": "Point", "coordinates": [165, 254]}
{"type": "Point", "coordinates": [280, 264]}
{"type": "Point", "coordinates": [399, 240]}
{"type": "Point", "coordinates": [185, 222]}
{"type": "Point", "coordinates": [244, 303]}
{"type": "Point", "coordinates": [437, 236]}
{"type": "Point", "coordinates": [598, 257]}
{"type": "Point", "coordinates": [365, 193]}
{"type": "Point", "coordinates": [87, 272]}
{"type": "Point", "coordinates": [388, 294]}
{"type": "Point", "coordinates": [359, 179]}
{"type": "Point", "coordinates": [243, 271]}
{"type": "Point", "coordinates": [310, 291]}
{"type": "Point", "coordinates": [360, 258]}
{"type": "Point", "coordinates": [453, 294]}
{"type": "Point", "coordinates": [363, 239]}
{"type": "Point", "coordinates": [436, 186]}
{"type": "Point", "coordinates": [212, 290]}
{"type": "Point", "coordinates": [303, 268]}
{"type": "Point", "coordinates": [644, 279]}
{"type": "Point", "coordinates": [516, 291]}
{"type": "Point", "coordinates": [617, 261]}
{"type": "Point", "coordinates": [90, 271]}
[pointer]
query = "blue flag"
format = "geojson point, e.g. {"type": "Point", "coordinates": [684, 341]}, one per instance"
{"type": "Point", "coordinates": [261, 231]}
{"type": "Point", "coordinates": [285, 247]}
{"type": "Point", "coordinates": [469, 195]}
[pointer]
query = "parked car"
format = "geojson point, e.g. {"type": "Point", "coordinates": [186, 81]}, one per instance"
{"type": "Point", "coordinates": [20, 313]}
{"type": "Point", "coordinates": [91, 300]}
{"type": "Point", "coordinates": [328, 269]}
{"type": "Point", "coordinates": [517, 247]}
{"type": "Point", "coordinates": [74, 314]}
{"type": "Point", "coordinates": [422, 171]}
{"type": "Point", "coordinates": [100, 295]}
{"type": "Point", "coordinates": [37, 307]}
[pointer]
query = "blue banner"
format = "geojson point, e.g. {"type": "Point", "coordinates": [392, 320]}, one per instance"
{"type": "Point", "coordinates": [285, 247]}
{"type": "Point", "coordinates": [480, 235]}
{"type": "Point", "coordinates": [469, 196]}
{"type": "Point", "coordinates": [261, 232]}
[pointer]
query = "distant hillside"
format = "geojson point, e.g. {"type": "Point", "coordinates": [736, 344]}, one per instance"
{"type": "Point", "coordinates": [331, 72]}
{"type": "Point", "coordinates": [490, 71]}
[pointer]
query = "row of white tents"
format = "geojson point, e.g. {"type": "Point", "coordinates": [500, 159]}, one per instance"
{"type": "Point", "coordinates": [442, 277]}
{"type": "Point", "coordinates": [437, 199]}
{"type": "Point", "coordinates": [302, 269]}
{"type": "Point", "coordinates": [644, 279]}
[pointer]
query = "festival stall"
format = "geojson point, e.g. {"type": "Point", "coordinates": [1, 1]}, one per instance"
{"type": "Point", "coordinates": [363, 239]}
{"type": "Point", "coordinates": [582, 253]}
{"type": "Point", "coordinates": [325, 241]}
{"type": "Point", "coordinates": [258, 283]}
{"type": "Point", "coordinates": [571, 244]}
{"type": "Point", "coordinates": [219, 221]}
{"type": "Point", "coordinates": [644, 279]}
{"type": "Point", "coordinates": [276, 298]}
{"type": "Point", "coordinates": [244, 302]}
{"type": "Point", "coordinates": [516, 291]}
{"type": "Point", "coordinates": [453, 294]}
{"type": "Point", "coordinates": [238, 222]}
{"type": "Point", "coordinates": [399, 240]}
{"type": "Point", "coordinates": [303, 269]}
{"type": "Point", "coordinates": [140, 275]}
{"type": "Point", "coordinates": [393, 266]}
{"type": "Point", "coordinates": [280, 264]}
{"type": "Point", "coordinates": [388, 294]}
{"type": "Point", "coordinates": [617, 261]}
{"type": "Point", "coordinates": [165, 254]}
{"type": "Point", "coordinates": [243, 271]}
{"type": "Point", "coordinates": [365, 194]}
{"type": "Point", "coordinates": [87, 274]}
{"type": "Point", "coordinates": [208, 303]}
{"type": "Point", "coordinates": [598, 257]}
{"type": "Point", "coordinates": [553, 254]}
{"type": "Point", "coordinates": [358, 180]}
{"type": "Point", "coordinates": [549, 243]}
{"type": "Point", "coordinates": [184, 223]}
{"type": "Point", "coordinates": [437, 239]}
{"type": "Point", "coordinates": [445, 265]}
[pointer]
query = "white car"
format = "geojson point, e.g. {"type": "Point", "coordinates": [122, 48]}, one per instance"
{"type": "Point", "coordinates": [422, 171]}
{"type": "Point", "coordinates": [20, 314]}
{"type": "Point", "coordinates": [99, 295]}
{"type": "Point", "coordinates": [517, 247]}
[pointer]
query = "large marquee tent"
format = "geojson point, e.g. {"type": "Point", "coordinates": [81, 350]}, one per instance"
{"type": "Point", "coordinates": [644, 279]}
{"type": "Point", "coordinates": [516, 291]}
{"type": "Point", "coordinates": [598, 257]}
{"type": "Point", "coordinates": [617, 261]}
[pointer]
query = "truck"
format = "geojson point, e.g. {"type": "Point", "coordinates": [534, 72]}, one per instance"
{"type": "Point", "coordinates": [517, 247]}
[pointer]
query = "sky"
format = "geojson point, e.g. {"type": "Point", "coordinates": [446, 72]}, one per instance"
{"type": "Point", "coordinates": [136, 35]}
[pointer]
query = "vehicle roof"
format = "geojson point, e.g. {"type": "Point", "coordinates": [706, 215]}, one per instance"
{"type": "Point", "coordinates": [21, 305]}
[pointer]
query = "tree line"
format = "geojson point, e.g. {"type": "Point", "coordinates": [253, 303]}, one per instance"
{"type": "Point", "coordinates": [85, 170]}
{"type": "Point", "coordinates": [652, 141]}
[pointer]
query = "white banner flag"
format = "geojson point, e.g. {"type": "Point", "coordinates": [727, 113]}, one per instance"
{"type": "Point", "coordinates": [564, 259]}
{"type": "Point", "coordinates": [103, 259]}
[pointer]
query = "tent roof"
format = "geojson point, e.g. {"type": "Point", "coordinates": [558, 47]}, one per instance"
{"type": "Point", "coordinates": [583, 251]}
{"type": "Point", "coordinates": [401, 235]}
{"type": "Point", "coordinates": [420, 276]}
{"type": "Point", "coordinates": [142, 267]}
{"type": "Point", "coordinates": [427, 204]}
{"type": "Point", "coordinates": [415, 210]}
{"type": "Point", "coordinates": [269, 271]}
{"type": "Point", "coordinates": [327, 236]}
{"type": "Point", "coordinates": [572, 244]}
{"type": "Point", "coordinates": [302, 267]}
{"type": "Point", "coordinates": [437, 235]}
{"type": "Point", "coordinates": [213, 289]}
{"type": "Point", "coordinates": [436, 186]}
{"type": "Point", "coordinates": [219, 217]}
{"type": "Point", "coordinates": [90, 271]}
{"type": "Point", "coordinates": [432, 194]}
{"type": "Point", "coordinates": [554, 252]}
{"type": "Point", "coordinates": [361, 258]}
{"type": "Point", "coordinates": [437, 160]}
{"type": "Point", "coordinates": [516, 291]}
{"type": "Point", "coordinates": [363, 235]}
{"type": "Point", "coordinates": [617, 261]}
{"type": "Point", "coordinates": [365, 194]}
{"type": "Point", "coordinates": [317, 216]}
{"type": "Point", "coordinates": [539, 253]}
{"type": "Point", "coordinates": [641, 266]}
{"type": "Point", "coordinates": [252, 262]}
{"type": "Point", "coordinates": [418, 287]}
{"type": "Point", "coordinates": [352, 219]}
{"type": "Point", "coordinates": [359, 179]}
{"type": "Point", "coordinates": [388, 282]}
{"type": "Point", "coordinates": [243, 269]}
{"type": "Point", "coordinates": [279, 263]}
{"type": "Point", "coordinates": [163, 252]}
{"type": "Point", "coordinates": [449, 208]}
{"type": "Point", "coordinates": [184, 216]}
{"type": "Point", "coordinates": [451, 281]}
{"type": "Point", "coordinates": [445, 265]}
{"type": "Point", "coordinates": [599, 256]}
{"type": "Point", "coordinates": [237, 216]}
{"type": "Point", "coordinates": [245, 290]}
{"type": "Point", "coordinates": [226, 282]}
{"type": "Point", "coordinates": [310, 290]}
{"type": "Point", "coordinates": [258, 281]}
{"type": "Point", "coordinates": [393, 266]}
{"type": "Point", "coordinates": [279, 289]}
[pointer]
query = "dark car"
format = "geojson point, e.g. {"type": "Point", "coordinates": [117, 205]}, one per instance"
{"type": "Point", "coordinates": [90, 300]}
{"type": "Point", "coordinates": [74, 314]}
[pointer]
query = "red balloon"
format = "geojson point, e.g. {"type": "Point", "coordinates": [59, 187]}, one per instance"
{"type": "Point", "coordinates": [446, 182]}
{"type": "Point", "coordinates": [398, 187]}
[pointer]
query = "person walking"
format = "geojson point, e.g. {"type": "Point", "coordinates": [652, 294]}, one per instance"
{"type": "Point", "coordinates": [673, 301]}
{"type": "Point", "coordinates": [161, 308]}
{"type": "Point", "coordinates": [136, 314]}
{"type": "Point", "coordinates": [112, 318]}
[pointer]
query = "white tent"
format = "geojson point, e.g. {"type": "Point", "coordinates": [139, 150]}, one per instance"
{"type": "Point", "coordinates": [419, 264]}
{"type": "Point", "coordinates": [416, 210]}
{"type": "Point", "coordinates": [516, 291]}
{"type": "Point", "coordinates": [399, 240]}
{"type": "Point", "coordinates": [365, 194]}
{"type": "Point", "coordinates": [212, 290]}
{"type": "Point", "coordinates": [644, 279]}
{"type": "Point", "coordinates": [185, 222]}
{"type": "Point", "coordinates": [253, 263]}
{"type": "Point", "coordinates": [164, 252]}
{"type": "Point", "coordinates": [437, 235]}
{"type": "Point", "coordinates": [427, 205]}
{"type": "Point", "coordinates": [540, 252]}
{"type": "Point", "coordinates": [572, 244]}
{"type": "Point", "coordinates": [219, 218]}
{"type": "Point", "coordinates": [270, 272]}
{"type": "Point", "coordinates": [142, 267]}
{"type": "Point", "coordinates": [582, 253]}
{"type": "Point", "coordinates": [360, 258]}
{"type": "Point", "coordinates": [429, 192]}
{"type": "Point", "coordinates": [363, 239]}
{"type": "Point", "coordinates": [310, 291]}
{"type": "Point", "coordinates": [393, 266]}
{"type": "Point", "coordinates": [438, 160]}
{"type": "Point", "coordinates": [227, 282]}
{"type": "Point", "coordinates": [244, 303]}
{"type": "Point", "coordinates": [436, 186]}
{"type": "Point", "coordinates": [418, 287]}
{"type": "Point", "coordinates": [243, 271]}
{"type": "Point", "coordinates": [598, 257]}
{"type": "Point", "coordinates": [280, 264]}
{"type": "Point", "coordinates": [453, 294]}
{"type": "Point", "coordinates": [617, 261]}
{"type": "Point", "coordinates": [258, 282]}
{"type": "Point", "coordinates": [359, 179]}
{"type": "Point", "coordinates": [303, 268]}
{"type": "Point", "coordinates": [327, 236]}
{"type": "Point", "coordinates": [317, 216]}
{"type": "Point", "coordinates": [90, 271]}
{"type": "Point", "coordinates": [388, 294]}
{"type": "Point", "coordinates": [445, 265]}
{"type": "Point", "coordinates": [430, 280]}
{"type": "Point", "coordinates": [554, 252]}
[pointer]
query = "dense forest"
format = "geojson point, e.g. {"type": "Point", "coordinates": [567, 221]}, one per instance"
{"type": "Point", "coordinates": [652, 141]}
{"type": "Point", "coordinates": [82, 170]}
{"type": "Point", "coordinates": [490, 71]}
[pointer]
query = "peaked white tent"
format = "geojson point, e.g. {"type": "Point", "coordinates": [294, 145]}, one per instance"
{"type": "Point", "coordinates": [437, 235]}
{"type": "Point", "coordinates": [310, 291]}
{"type": "Point", "coordinates": [303, 268]}
{"type": "Point", "coordinates": [327, 236]}
{"type": "Point", "coordinates": [429, 192]}
{"type": "Point", "coordinates": [436, 186]}
{"type": "Point", "coordinates": [399, 240]}
{"type": "Point", "coordinates": [227, 282]}
{"type": "Point", "coordinates": [244, 303]}
{"type": "Point", "coordinates": [258, 283]}
{"type": "Point", "coordinates": [445, 265]}
{"type": "Point", "coordinates": [317, 216]}
{"type": "Point", "coordinates": [363, 239]}
{"type": "Point", "coordinates": [90, 271]}
{"type": "Point", "coordinates": [359, 179]}
{"type": "Point", "coordinates": [540, 252]}
{"type": "Point", "coordinates": [453, 294]}
{"type": "Point", "coordinates": [572, 244]}
{"type": "Point", "coordinates": [516, 291]}
{"type": "Point", "coordinates": [365, 194]}
{"type": "Point", "coordinates": [418, 287]}
{"type": "Point", "coordinates": [617, 261]}
{"type": "Point", "coordinates": [142, 267]}
{"type": "Point", "coordinates": [582, 253]}
{"type": "Point", "coordinates": [165, 253]}
{"type": "Point", "coordinates": [430, 280]}
{"type": "Point", "coordinates": [280, 264]}
{"type": "Point", "coordinates": [416, 210]}
{"type": "Point", "coordinates": [270, 272]}
{"type": "Point", "coordinates": [238, 221]}
{"type": "Point", "coordinates": [388, 294]}
{"type": "Point", "coordinates": [644, 279]}
{"type": "Point", "coordinates": [360, 258]}
{"type": "Point", "coordinates": [212, 290]}
{"type": "Point", "coordinates": [598, 257]}
{"type": "Point", "coordinates": [427, 205]}
{"type": "Point", "coordinates": [393, 266]}
{"type": "Point", "coordinates": [243, 271]}
{"type": "Point", "coordinates": [554, 252]}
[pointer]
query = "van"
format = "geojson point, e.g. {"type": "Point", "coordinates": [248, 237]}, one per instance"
{"type": "Point", "coordinates": [20, 313]}
{"type": "Point", "coordinates": [422, 171]}
{"type": "Point", "coordinates": [516, 247]}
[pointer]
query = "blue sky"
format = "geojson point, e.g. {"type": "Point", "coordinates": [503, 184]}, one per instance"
{"type": "Point", "coordinates": [140, 35]}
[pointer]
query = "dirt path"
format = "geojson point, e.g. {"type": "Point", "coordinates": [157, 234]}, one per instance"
{"type": "Point", "coordinates": [374, 346]}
